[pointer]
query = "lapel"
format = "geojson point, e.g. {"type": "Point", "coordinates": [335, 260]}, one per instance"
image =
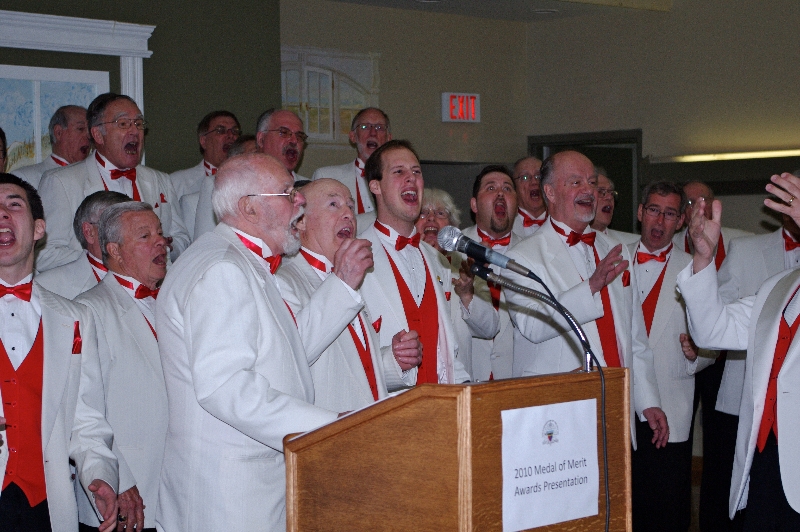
{"type": "Point", "coordinates": [385, 278]}
{"type": "Point", "coordinates": [133, 322]}
{"type": "Point", "coordinates": [59, 331]}
{"type": "Point", "coordinates": [277, 306]}
{"type": "Point", "coordinates": [560, 266]}
{"type": "Point", "coordinates": [668, 297]}
{"type": "Point", "coordinates": [93, 181]}
{"type": "Point", "coordinates": [765, 336]}
{"type": "Point", "coordinates": [773, 254]}
{"type": "Point", "coordinates": [148, 188]}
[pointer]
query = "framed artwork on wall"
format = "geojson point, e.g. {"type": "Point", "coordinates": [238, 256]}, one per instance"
{"type": "Point", "coordinates": [28, 98]}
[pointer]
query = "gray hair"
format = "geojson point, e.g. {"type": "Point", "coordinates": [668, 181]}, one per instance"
{"type": "Point", "coordinates": [111, 222]}
{"type": "Point", "coordinates": [91, 208]}
{"type": "Point", "coordinates": [364, 110]}
{"type": "Point", "coordinates": [228, 190]}
{"type": "Point", "coordinates": [665, 188]}
{"type": "Point", "coordinates": [237, 148]}
{"type": "Point", "coordinates": [436, 196]}
{"type": "Point", "coordinates": [263, 121]}
{"type": "Point", "coordinates": [61, 118]}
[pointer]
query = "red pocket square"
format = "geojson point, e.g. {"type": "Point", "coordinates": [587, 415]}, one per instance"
{"type": "Point", "coordinates": [626, 278]}
{"type": "Point", "coordinates": [377, 324]}
{"type": "Point", "coordinates": [163, 198]}
{"type": "Point", "coordinates": [77, 343]}
{"type": "Point", "coordinates": [447, 296]}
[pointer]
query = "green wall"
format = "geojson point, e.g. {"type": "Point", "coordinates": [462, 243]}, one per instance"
{"type": "Point", "coordinates": [207, 55]}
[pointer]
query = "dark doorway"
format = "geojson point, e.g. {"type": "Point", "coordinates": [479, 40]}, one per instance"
{"type": "Point", "coordinates": [456, 179]}
{"type": "Point", "coordinates": [619, 152]}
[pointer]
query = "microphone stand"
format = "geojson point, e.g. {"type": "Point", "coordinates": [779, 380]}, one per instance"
{"type": "Point", "coordinates": [487, 274]}
{"type": "Point", "coordinates": [550, 300]}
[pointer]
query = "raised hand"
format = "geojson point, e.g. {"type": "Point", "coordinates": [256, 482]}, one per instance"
{"type": "Point", "coordinates": [705, 233]}
{"type": "Point", "coordinates": [608, 269]}
{"type": "Point", "coordinates": [352, 260]}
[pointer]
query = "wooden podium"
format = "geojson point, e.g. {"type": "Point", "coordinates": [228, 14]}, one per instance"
{"type": "Point", "coordinates": [430, 458]}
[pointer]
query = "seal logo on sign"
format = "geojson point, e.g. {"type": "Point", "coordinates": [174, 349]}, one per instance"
{"type": "Point", "coordinates": [549, 433]}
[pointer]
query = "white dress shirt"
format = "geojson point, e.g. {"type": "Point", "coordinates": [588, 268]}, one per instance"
{"type": "Point", "coordinates": [582, 254]}
{"type": "Point", "coordinates": [19, 323]}
{"type": "Point", "coordinates": [408, 261]}
{"type": "Point", "coordinates": [647, 274]}
{"type": "Point", "coordinates": [146, 305]}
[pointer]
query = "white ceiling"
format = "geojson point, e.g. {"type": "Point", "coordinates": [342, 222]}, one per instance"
{"type": "Point", "coordinates": [522, 10]}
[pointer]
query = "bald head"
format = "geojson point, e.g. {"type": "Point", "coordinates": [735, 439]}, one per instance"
{"type": "Point", "coordinates": [329, 217]}
{"type": "Point", "coordinates": [239, 176]}
{"type": "Point", "coordinates": [569, 182]}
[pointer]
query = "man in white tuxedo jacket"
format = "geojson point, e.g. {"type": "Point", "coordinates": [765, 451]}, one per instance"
{"type": "Point", "coordinates": [216, 133]}
{"type": "Point", "coordinates": [662, 478]}
{"type": "Point", "coordinates": [408, 290]}
{"type": "Point", "coordinates": [237, 374]}
{"type": "Point", "coordinates": [606, 202]}
{"type": "Point", "coordinates": [126, 355]}
{"type": "Point", "coordinates": [117, 128]}
{"type": "Point", "coordinates": [46, 419]}
{"type": "Point", "coordinates": [767, 463]}
{"type": "Point", "coordinates": [532, 210]}
{"type": "Point", "coordinates": [69, 140]}
{"type": "Point", "coordinates": [589, 275]}
{"type": "Point", "coordinates": [369, 130]}
{"type": "Point", "coordinates": [719, 427]}
{"type": "Point", "coordinates": [494, 204]}
{"type": "Point", "coordinates": [349, 373]}
{"type": "Point", "coordinates": [84, 272]}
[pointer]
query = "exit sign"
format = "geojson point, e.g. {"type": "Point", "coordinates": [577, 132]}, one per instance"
{"type": "Point", "coordinates": [460, 107]}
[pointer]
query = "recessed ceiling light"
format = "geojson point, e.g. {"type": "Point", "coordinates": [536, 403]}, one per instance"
{"type": "Point", "coordinates": [545, 11]}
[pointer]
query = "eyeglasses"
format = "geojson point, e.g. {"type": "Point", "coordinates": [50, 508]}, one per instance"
{"type": "Point", "coordinates": [655, 212]}
{"type": "Point", "coordinates": [126, 123]}
{"type": "Point", "coordinates": [691, 202]}
{"type": "Point", "coordinates": [292, 194]}
{"type": "Point", "coordinates": [427, 213]}
{"type": "Point", "coordinates": [222, 130]}
{"type": "Point", "coordinates": [603, 192]}
{"type": "Point", "coordinates": [527, 177]}
{"type": "Point", "coordinates": [286, 133]}
{"type": "Point", "coordinates": [377, 127]}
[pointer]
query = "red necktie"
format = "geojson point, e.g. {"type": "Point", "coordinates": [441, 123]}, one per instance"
{"type": "Point", "coordinates": [527, 220]}
{"type": "Point", "coordinates": [141, 292]}
{"type": "Point", "coordinates": [494, 242]}
{"type": "Point", "coordinates": [315, 262]}
{"type": "Point", "coordinates": [605, 325]}
{"type": "Point", "coordinates": [358, 189]}
{"type": "Point", "coordinates": [22, 291]}
{"type": "Point", "coordinates": [402, 241]}
{"type": "Point", "coordinates": [642, 257]}
{"type": "Point", "coordinates": [789, 242]}
{"type": "Point", "coordinates": [273, 260]}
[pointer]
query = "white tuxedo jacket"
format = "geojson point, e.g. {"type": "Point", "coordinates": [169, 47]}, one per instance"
{"type": "Point", "coordinates": [347, 174]}
{"type": "Point", "coordinates": [750, 261]}
{"type": "Point", "coordinates": [340, 383]}
{"type": "Point", "coordinates": [493, 356]}
{"type": "Point", "coordinates": [188, 180]}
{"type": "Point", "coordinates": [479, 321]}
{"type": "Point", "coordinates": [382, 296]}
{"type": "Point", "coordinates": [675, 382]}
{"type": "Point", "coordinates": [33, 173]}
{"type": "Point", "coordinates": [71, 427]}
{"type": "Point", "coordinates": [64, 189]}
{"type": "Point", "coordinates": [623, 237]}
{"type": "Point", "coordinates": [204, 219]}
{"type": "Point", "coordinates": [188, 205]}
{"type": "Point", "coordinates": [752, 323]}
{"type": "Point", "coordinates": [70, 279]}
{"type": "Point", "coordinates": [544, 343]}
{"type": "Point", "coordinates": [520, 229]}
{"type": "Point", "coordinates": [237, 381]}
{"type": "Point", "coordinates": [131, 393]}
{"type": "Point", "coordinates": [728, 234]}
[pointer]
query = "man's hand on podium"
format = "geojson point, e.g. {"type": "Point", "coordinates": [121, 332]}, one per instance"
{"type": "Point", "coordinates": [658, 423]}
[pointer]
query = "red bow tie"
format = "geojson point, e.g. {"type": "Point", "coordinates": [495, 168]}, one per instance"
{"type": "Point", "coordinates": [143, 292]}
{"type": "Point", "coordinates": [527, 221]}
{"type": "Point", "coordinates": [209, 169]}
{"type": "Point", "coordinates": [22, 291]}
{"type": "Point", "coordinates": [273, 260]}
{"type": "Point", "coordinates": [789, 243]}
{"type": "Point", "coordinates": [642, 257]}
{"type": "Point", "coordinates": [494, 242]}
{"type": "Point", "coordinates": [130, 173]}
{"type": "Point", "coordinates": [402, 241]}
{"type": "Point", "coordinates": [573, 237]}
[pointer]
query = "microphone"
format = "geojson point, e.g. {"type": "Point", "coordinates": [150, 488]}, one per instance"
{"type": "Point", "coordinates": [451, 239]}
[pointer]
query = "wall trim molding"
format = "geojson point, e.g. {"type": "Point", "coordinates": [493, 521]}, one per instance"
{"type": "Point", "coordinates": [56, 33]}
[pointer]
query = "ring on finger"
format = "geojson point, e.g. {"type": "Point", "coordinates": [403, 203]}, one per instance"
{"type": "Point", "coordinates": [122, 518]}
{"type": "Point", "coordinates": [791, 199]}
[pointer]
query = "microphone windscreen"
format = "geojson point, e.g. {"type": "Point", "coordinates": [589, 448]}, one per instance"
{"type": "Point", "coordinates": [448, 238]}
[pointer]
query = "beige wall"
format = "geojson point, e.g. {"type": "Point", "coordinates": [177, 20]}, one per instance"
{"type": "Point", "coordinates": [423, 55]}
{"type": "Point", "coordinates": [709, 76]}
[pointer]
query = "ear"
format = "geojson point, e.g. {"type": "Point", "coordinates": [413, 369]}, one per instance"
{"type": "Point", "coordinates": [352, 136]}
{"type": "Point", "coordinates": [473, 205]}
{"type": "Point", "coordinates": [260, 140]}
{"type": "Point", "coordinates": [38, 229]}
{"type": "Point", "coordinates": [112, 248]}
{"type": "Point", "coordinates": [247, 208]}
{"type": "Point", "coordinates": [681, 219]}
{"type": "Point", "coordinates": [640, 211]}
{"type": "Point", "coordinates": [375, 187]}
{"type": "Point", "coordinates": [203, 142]}
{"type": "Point", "coordinates": [89, 232]}
{"type": "Point", "coordinates": [97, 137]}
{"type": "Point", "coordinates": [549, 193]}
{"type": "Point", "coordinates": [388, 137]}
{"type": "Point", "coordinates": [57, 132]}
